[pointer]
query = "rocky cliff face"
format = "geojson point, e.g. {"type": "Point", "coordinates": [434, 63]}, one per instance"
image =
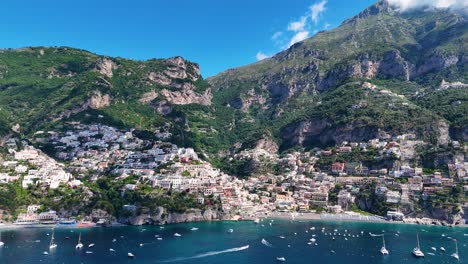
{"type": "Point", "coordinates": [321, 131]}
{"type": "Point", "coordinates": [161, 216]}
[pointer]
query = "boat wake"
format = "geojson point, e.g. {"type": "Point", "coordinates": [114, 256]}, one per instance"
{"type": "Point", "coordinates": [266, 243]}
{"type": "Point", "coordinates": [207, 254]}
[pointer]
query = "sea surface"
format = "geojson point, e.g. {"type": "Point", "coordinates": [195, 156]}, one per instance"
{"type": "Point", "coordinates": [214, 243]}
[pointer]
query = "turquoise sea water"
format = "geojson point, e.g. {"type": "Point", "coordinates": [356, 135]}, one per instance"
{"type": "Point", "coordinates": [212, 243]}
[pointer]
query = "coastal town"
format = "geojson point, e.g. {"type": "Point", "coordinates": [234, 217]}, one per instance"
{"type": "Point", "coordinates": [318, 181]}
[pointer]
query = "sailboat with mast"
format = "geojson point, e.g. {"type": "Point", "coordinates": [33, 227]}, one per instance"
{"type": "Point", "coordinates": [79, 245]}
{"type": "Point", "coordinates": [383, 250]}
{"type": "Point", "coordinates": [52, 244]}
{"type": "Point", "coordinates": [455, 255]}
{"type": "Point", "coordinates": [417, 250]}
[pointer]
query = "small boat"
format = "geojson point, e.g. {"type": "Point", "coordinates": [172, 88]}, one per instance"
{"type": "Point", "coordinates": [89, 252]}
{"type": "Point", "coordinates": [113, 240]}
{"type": "Point", "coordinates": [282, 237]}
{"type": "Point", "coordinates": [430, 253]}
{"type": "Point", "coordinates": [159, 238]}
{"type": "Point", "coordinates": [455, 254]}
{"type": "Point", "coordinates": [141, 244]}
{"type": "Point", "coordinates": [91, 245]}
{"type": "Point", "coordinates": [312, 228]}
{"type": "Point", "coordinates": [256, 221]}
{"type": "Point", "coordinates": [45, 253]}
{"type": "Point", "coordinates": [177, 235]}
{"type": "Point", "coordinates": [280, 259]}
{"type": "Point", "coordinates": [345, 238]}
{"type": "Point", "coordinates": [333, 238]}
{"type": "Point", "coordinates": [312, 240]}
{"type": "Point", "coordinates": [230, 230]}
{"type": "Point", "coordinates": [442, 248]}
{"type": "Point", "coordinates": [85, 224]}
{"type": "Point", "coordinates": [130, 255]}
{"type": "Point", "coordinates": [383, 249]}
{"type": "Point", "coordinates": [417, 250]}
{"type": "Point", "coordinates": [194, 229]}
{"type": "Point", "coordinates": [1, 242]}
{"type": "Point", "coordinates": [79, 245]}
{"type": "Point", "coordinates": [433, 248]}
{"type": "Point", "coordinates": [111, 250]}
{"type": "Point", "coordinates": [52, 244]}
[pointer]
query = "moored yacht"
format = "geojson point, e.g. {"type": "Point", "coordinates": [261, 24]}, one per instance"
{"type": "Point", "coordinates": [79, 245]}
{"type": "Point", "coordinates": [455, 254]}
{"type": "Point", "coordinates": [417, 250]}
{"type": "Point", "coordinates": [52, 244]}
{"type": "Point", "coordinates": [383, 250]}
{"type": "Point", "coordinates": [1, 242]}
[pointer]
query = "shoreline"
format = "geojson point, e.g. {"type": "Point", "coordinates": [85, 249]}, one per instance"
{"type": "Point", "coordinates": [348, 218]}
{"type": "Point", "coordinates": [274, 215]}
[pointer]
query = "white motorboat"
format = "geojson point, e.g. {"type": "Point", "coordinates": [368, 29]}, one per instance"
{"type": "Point", "coordinates": [455, 254]}
{"type": "Point", "coordinates": [1, 242]}
{"type": "Point", "coordinates": [52, 244]}
{"type": "Point", "coordinates": [79, 245]}
{"type": "Point", "coordinates": [383, 249]}
{"type": "Point", "coordinates": [177, 235]}
{"type": "Point", "coordinates": [130, 255]}
{"type": "Point", "coordinates": [280, 259]}
{"type": "Point", "coordinates": [91, 245]}
{"type": "Point", "coordinates": [417, 250]}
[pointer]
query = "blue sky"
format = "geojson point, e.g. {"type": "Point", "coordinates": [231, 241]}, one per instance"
{"type": "Point", "coordinates": [217, 34]}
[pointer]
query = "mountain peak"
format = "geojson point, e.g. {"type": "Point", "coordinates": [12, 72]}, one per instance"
{"type": "Point", "coordinates": [379, 7]}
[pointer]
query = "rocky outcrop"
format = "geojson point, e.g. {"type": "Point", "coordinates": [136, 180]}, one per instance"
{"type": "Point", "coordinates": [148, 97]}
{"type": "Point", "coordinates": [99, 100]}
{"type": "Point", "coordinates": [177, 68]}
{"type": "Point", "coordinates": [437, 62]}
{"type": "Point", "coordinates": [320, 132]}
{"type": "Point", "coordinates": [267, 144]}
{"type": "Point", "coordinates": [162, 216]}
{"type": "Point", "coordinates": [105, 67]}
{"type": "Point", "coordinates": [159, 78]}
{"type": "Point", "coordinates": [181, 69]}
{"type": "Point", "coordinates": [443, 133]}
{"type": "Point", "coordinates": [162, 107]}
{"type": "Point", "coordinates": [187, 95]}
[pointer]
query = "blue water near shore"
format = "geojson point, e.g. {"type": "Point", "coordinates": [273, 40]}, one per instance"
{"type": "Point", "coordinates": [212, 243]}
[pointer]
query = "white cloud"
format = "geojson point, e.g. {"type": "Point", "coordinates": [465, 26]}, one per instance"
{"type": "Point", "coordinates": [298, 25]}
{"type": "Point", "coordinates": [261, 56]}
{"type": "Point", "coordinates": [404, 5]}
{"type": "Point", "coordinates": [299, 36]}
{"type": "Point", "coordinates": [276, 35]}
{"type": "Point", "coordinates": [317, 9]}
